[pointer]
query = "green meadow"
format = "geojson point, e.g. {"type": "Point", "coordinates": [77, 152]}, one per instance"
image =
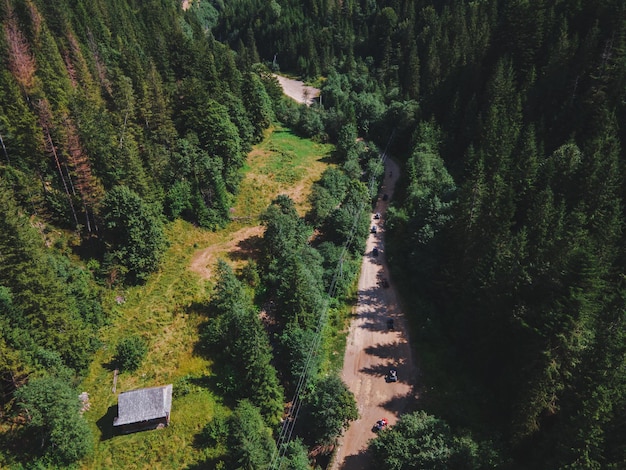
{"type": "Point", "coordinates": [165, 313]}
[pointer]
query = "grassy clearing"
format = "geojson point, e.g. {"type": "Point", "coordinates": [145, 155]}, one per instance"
{"type": "Point", "coordinates": [162, 312]}
{"type": "Point", "coordinates": [282, 164]}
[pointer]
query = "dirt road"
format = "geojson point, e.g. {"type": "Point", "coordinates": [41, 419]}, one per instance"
{"type": "Point", "coordinates": [372, 349]}
{"type": "Point", "coordinates": [297, 90]}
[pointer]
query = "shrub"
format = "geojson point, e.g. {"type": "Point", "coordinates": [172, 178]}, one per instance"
{"type": "Point", "coordinates": [130, 352]}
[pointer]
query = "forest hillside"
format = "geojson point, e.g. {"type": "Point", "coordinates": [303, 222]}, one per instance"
{"type": "Point", "coordinates": [509, 236]}
{"type": "Point", "coordinates": [118, 117]}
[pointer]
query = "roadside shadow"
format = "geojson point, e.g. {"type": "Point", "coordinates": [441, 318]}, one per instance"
{"type": "Point", "coordinates": [399, 404]}
{"type": "Point", "coordinates": [360, 461]}
{"type": "Point", "coordinates": [386, 351]}
{"type": "Point", "coordinates": [373, 326]}
{"type": "Point", "coordinates": [248, 248]}
{"type": "Point", "coordinates": [380, 370]}
{"type": "Point", "coordinates": [105, 424]}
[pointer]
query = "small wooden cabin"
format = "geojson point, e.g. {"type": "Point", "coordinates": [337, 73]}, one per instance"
{"type": "Point", "coordinates": [143, 409]}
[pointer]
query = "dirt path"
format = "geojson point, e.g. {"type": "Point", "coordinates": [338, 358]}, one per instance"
{"type": "Point", "coordinates": [239, 245]}
{"type": "Point", "coordinates": [297, 90]}
{"type": "Point", "coordinates": [372, 349]}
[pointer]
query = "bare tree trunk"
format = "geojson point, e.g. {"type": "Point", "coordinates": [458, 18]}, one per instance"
{"type": "Point", "coordinates": [5, 150]}
{"type": "Point", "coordinates": [58, 163]}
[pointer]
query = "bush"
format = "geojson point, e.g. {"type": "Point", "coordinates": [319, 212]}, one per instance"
{"type": "Point", "coordinates": [50, 408]}
{"type": "Point", "coordinates": [130, 352]}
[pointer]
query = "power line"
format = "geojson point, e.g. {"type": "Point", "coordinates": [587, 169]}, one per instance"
{"type": "Point", "coordinates": [289, 422]}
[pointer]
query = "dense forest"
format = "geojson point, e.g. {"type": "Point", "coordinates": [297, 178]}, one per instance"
{"type": "Point", "coordinates": [119, 116]}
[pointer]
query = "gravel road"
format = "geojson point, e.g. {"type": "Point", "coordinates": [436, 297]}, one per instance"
{"type": "Point", "coordinates": [372, 349]}
{"type": "Point", "coordinates": [297, 90]}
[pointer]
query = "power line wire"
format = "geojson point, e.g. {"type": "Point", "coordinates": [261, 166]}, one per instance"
{"type": "Point", "coordinates": [289, 422]}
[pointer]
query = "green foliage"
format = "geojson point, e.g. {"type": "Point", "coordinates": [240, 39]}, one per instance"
{"type": "Point", "coordinates": [41, 293]}
{"type": "Point", "coordinates": [334, 256]}
{"type": "Point", "coordinates": [52, 410]}
{"type": "Point", "coordinates": [328, 193]}
{"type": "Point", "coordinates": [178, 200]}
{"type": "Point", "coordinates": [198, 191]}
{"type": "Point", "coordinates": [235, 334]}
{"type": "Point", "coordinates": [295, 344]}
{"type": "Point", "coordinates": [285, 232]}
{"type": "Point", "coordinates": [134, 234]}
{"type": "Point", "coordinates": [295, 456]}
{"type": "Point", "coordinates": [299, 292]}
{"type": "Point", "coordinates": [249, 439]}
{"type": "Point", "coordinates": [257, 103]}
{"type": "Point", "coordinates": [130, 352]}
{"type": "Point", "coordinates": [349, 216]}
{"type": "Point", "coordinates": [211, 123]}
{"type": "Point", "coordinates": [328, 407]}
{"type": "Point", "coordinates": [427, 209]}
{"type": "Point", "coordinates": [526, 261]}
{"type": "Point", "coordinates": [420, 440]}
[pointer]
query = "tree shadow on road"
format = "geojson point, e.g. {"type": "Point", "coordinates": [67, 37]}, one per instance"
{"type": "Point", "coordinates": [391, 351]}
{"type": "Point", "coordinates": [360, 461]}
{"type": "Point", "coordinates": [398, 403]}
{"type": "Point", "coordinates": [374, 325]}
{"type": "Point", "coordinates": [248, 248]}
{"type": "Point", "coordinates": [379, 370]}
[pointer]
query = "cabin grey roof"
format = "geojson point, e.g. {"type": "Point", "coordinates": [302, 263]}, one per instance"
{"type": "Point", "coordinates": [143, 404]}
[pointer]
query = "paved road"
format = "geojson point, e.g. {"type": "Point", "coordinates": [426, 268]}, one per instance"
{"type": "Point", "coordinates": [372, 349]}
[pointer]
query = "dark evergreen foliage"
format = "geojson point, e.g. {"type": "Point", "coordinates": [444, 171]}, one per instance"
{"type": "Point", "coordinates": [236, 337]}
{"type": "Point", "coordinates": [508, 118]}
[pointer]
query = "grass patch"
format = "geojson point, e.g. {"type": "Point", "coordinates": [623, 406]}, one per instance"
{"type": "Point", "coordinates": [164, 313]}
{"type": "Point", "coordinates": [282, 164]}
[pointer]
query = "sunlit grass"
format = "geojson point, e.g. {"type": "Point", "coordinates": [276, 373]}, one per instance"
{"type": "Point", "coordinates": [162, 313]}
{"type": "Point", "coordinates": [282, 164]}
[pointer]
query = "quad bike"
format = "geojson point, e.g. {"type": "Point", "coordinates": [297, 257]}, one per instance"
{"type": "Point", "coordinates": [380, 424]}
{"type": "Point", "coordinates": [392, 376]}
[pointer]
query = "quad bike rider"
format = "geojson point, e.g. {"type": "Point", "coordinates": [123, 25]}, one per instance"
{"type": "Point", "coordinates": [380, 424]}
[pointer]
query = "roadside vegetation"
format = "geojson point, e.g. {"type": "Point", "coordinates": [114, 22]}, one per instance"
{"type": "Point", "coordinates": [170, 313]}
